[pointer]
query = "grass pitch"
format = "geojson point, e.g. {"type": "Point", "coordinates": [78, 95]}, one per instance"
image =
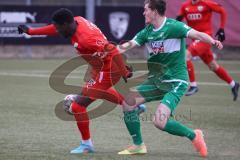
{"type": "Point", "coordinates": [29, 128]}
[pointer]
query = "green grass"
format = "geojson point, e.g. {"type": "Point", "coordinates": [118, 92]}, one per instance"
{"type": "Point", "coordinates": [29, 128]}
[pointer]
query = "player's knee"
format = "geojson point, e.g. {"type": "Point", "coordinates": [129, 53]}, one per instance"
{"type": "Point", "coordinates": [126, 107]}
{"type": "Point", "coordinates": [161, 121]}
{"type": "Point", "coordinates": [130, 99]}
{"type": "Point", "coordinates": [129, 102]}
{"type": "Point", "coordinates": [213, 66]}
{"type": "Point", "coordinates": [160, 124]}
{"type": "Point", "coordinates": [161, 116]}
{"type": "Point", "coordinates": [74, 108]}
{"type": "Point", "coordinates": [79, 111]}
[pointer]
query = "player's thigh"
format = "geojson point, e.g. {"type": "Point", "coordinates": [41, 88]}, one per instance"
{"type": "Point", "coordinates": [208, 57]}
{"type": "Point", "coordinates": [114, 96]}
{"type": "Point", "coordinates": [174, 94]}
{"type": "Point", "coordinates": [198, 48]}
{"type": "Point", "coordinates": [96, 89]}
{"type": "Point", "coordinates": [149, 91]}
{"type": "Point", "coordinates": [168, 93]}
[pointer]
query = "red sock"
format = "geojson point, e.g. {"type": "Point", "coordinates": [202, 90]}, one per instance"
{"type": "Point", "coordinates": [191, 72]}
{"type": "Point", "coordinates": [222, 73]}
{"type": "Point", "coordinates": [81, 116]}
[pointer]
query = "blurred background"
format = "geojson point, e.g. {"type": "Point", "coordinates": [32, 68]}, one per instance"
{"type": "Point", "coordinates": [119, 20]}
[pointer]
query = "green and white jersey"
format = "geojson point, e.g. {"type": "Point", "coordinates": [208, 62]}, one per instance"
{"type": "Point", "coordinates": [166, 47]}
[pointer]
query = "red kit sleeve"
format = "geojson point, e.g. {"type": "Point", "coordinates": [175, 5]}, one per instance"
{"type": "Point", "coordinates": [215, 7]}
{"type": "Point", "coordinates": [49, 30]}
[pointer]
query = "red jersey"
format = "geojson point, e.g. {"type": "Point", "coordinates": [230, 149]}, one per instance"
{"type": "Point", "coordinates": [91, 45]}
{"type": "Point", "coordinates": [199, 15]}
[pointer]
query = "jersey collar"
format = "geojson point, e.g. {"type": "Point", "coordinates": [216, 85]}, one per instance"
{"type": "Point", "coordinates": [157, 29]}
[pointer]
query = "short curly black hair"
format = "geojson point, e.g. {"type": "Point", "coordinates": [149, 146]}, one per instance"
{"type": "Point", "coordinates": [63, 16]}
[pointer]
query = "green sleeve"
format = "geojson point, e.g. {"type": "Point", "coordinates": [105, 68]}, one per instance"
{"type": "Point", "coordinates": [180, 29]}
{"type": "Point", "coordinates": [141, 37]}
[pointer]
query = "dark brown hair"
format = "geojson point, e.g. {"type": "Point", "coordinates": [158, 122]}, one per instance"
{"type": "Point", "coordinates": [159, 5]}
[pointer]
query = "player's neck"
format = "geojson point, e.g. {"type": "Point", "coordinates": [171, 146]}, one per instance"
{"type": "Point", "coordinates": [158, 22]}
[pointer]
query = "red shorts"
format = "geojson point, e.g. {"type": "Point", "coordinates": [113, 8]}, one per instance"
{"type": "Point", "coordinates": [201, 49]}
{"type": "Point", "coordinates": [100, 87]}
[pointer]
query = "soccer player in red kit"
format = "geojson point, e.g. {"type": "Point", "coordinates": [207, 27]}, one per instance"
{"type": "Point", "coordinates": [198, 14]}
{"type": "Point", "coordinates": [107, 66]}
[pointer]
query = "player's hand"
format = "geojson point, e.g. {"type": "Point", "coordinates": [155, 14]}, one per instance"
{"type": "Point", "coordinates": [220, 34]}
{"type": "Point", "coordinates": [23, 29]}
{"type": "Point", "coordinates": [129, 74]}
{"type": "Point", "coordinates": [218, 44]}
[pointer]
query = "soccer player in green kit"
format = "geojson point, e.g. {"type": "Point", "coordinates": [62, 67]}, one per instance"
{"type": "Point", "coordinates": [167, 78]}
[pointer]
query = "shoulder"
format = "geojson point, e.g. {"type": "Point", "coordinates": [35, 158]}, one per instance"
{"type": "Point", "coordinates": [185, 4]}
{"type": "Point", "coordinates": [173, 24]}
{"type": "Point", "coordinates": [210, 3]}
{"type": "Point", "coordinates": [77, 18]}
{"type": "Point", "coordinates": [171, 20]}
{"type": "Point", "coordinates": [80, 19]}
{"type": "Point", "coordinates": [148, 28]}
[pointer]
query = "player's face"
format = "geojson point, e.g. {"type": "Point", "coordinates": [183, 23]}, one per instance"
{"type": "Point", "coordinates": [66, 30]}
{"type": "Point", "coordinates": [149, 14]}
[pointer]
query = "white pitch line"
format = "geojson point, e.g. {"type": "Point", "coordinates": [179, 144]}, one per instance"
{"type": "Point", "coordinates": [79, 77]}
{"type": "Point", "coordinates": [32, 75]}
{"type": "Point", "coordinates": [77, 72]}
{"type": "Point", "coordinates": [26, 71]}
{"type": "Point", "coordinates": [220, 62]}
{"type": "Point", "coordinates": [197, 62]}
{"type": "Point", "coordinates": [210, 72]}
{"type": "Point", "coordinates": [212, 84]}
{"type": "Point", "coordinates": [24, 75]}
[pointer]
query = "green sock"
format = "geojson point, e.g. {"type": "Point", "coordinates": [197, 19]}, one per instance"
{"type": "Point", "coordinates": [132, 122]}
{"type": "Point", "coordinates": [175, 128]}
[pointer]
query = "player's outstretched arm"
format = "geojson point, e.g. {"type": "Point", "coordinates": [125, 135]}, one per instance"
{"type": "Point", "coordinates": [204, 38]}
{"type": "Point", "coordinates": [215, 7]}
{"type": "Point", "coordinates": [126, 70]}
{"type": "Point", "coordinates": [126, 46]}
{"type": "Point", "coordinates": [49, 30]}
